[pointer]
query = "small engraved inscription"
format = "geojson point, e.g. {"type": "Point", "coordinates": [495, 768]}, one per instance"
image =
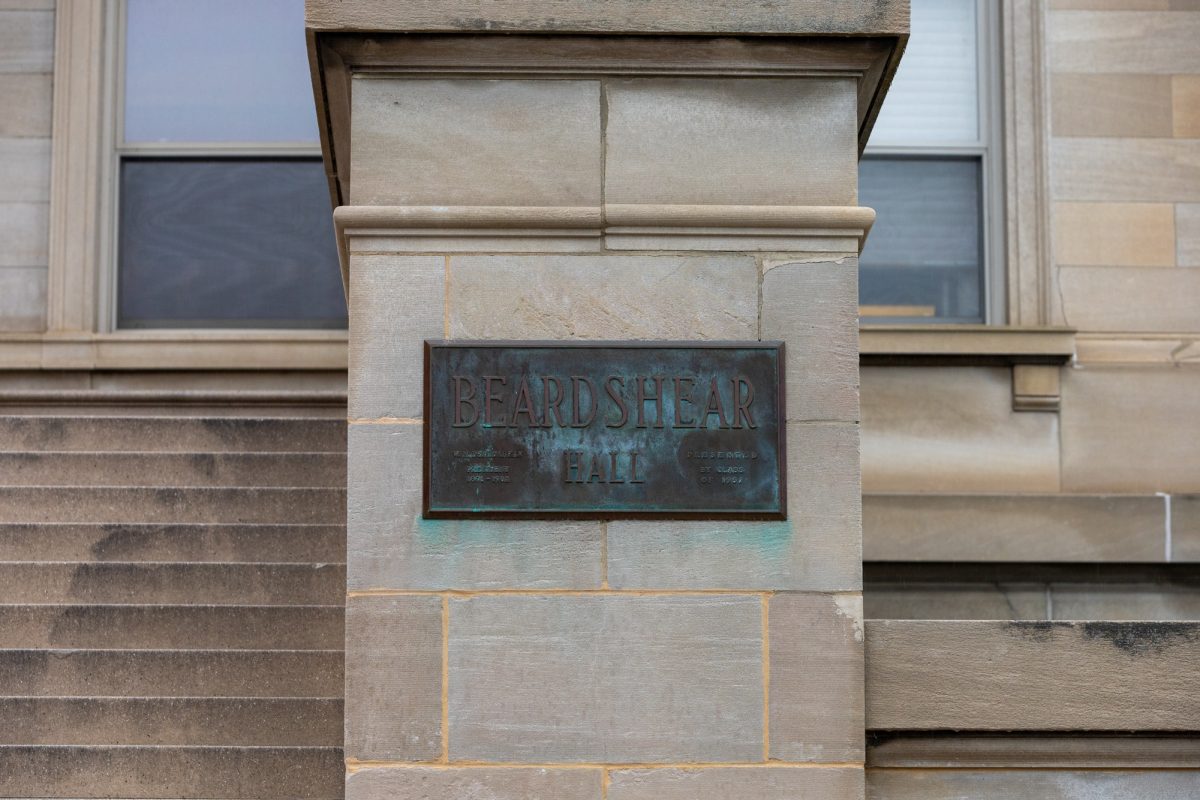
{"type": "Point", "coordinates": [604, 429]}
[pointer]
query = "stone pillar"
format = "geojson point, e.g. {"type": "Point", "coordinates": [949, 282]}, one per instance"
{"type": "Point", "coordinates": [700, 183]}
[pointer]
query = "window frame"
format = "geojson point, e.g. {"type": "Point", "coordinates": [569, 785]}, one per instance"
{"type": "Point", "coordinates": [989, 148]}
{"type": "Point", "coordinates": [116, 150]}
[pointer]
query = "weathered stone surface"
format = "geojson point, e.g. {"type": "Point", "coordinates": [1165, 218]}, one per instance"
{"type": "Point", "coordinates": [270, 773]}
{"type": "Point", "coordinates": [205, 583]}
{"type": "Point", "coordinates": [953, 784]}
{"type": "Point", "coordinates": [954, 601]}
{"type": "Point", "coordinates": [816, 691]}
{"type": "Point", "coordinates": [1187, 232]}
{"type": "Point", "coordinates": [1114, 234]}
{"type": "Point", "coordinates": [173, 469]}
{"type": "Point", "coordinates": [1185, 527]}
{"type": "Point", "coordinates": [396, 302]}
{"type": "Point", "coordinates": [459, 783]}
{"type": "Point", "coordinates": [606, 679]}
{"type": "Point", "coordinates": [924, 428]}
{"type": "Point", "coordinates": [166, 542]}
{"type": "Point", "coordinates": [731, 141]}
{"type": "Point", "coordinates": [813, 307]}
{"type": "Point", "coordinates": [390, 546]}
{"type": "Point", "coordinates": [394, 678]}
{"type": "Point", "coordinates": [172, 627]}
{"type": "Point", "coordinates": [27, 96]}
{"type": "Point", "coordinates": [930, 527]}
{"type": "Point", "coordinates": [1126, 601]}
{"type": "Point", "coordinates": [173, 434]}
{"type": "Point", "coordinates": [1126, 430]}
{"type": "Point", "coordinates": [1116, 299]}
{"type": "Point", "coordinates": [107, 504]}
{"type": "Point", "coordinates": [816, 548]}
{"type": "Point", "coordinates": [616, 16]}
{"type": "Point", "coordinates": [462, 142]}
{"type": "Point", "coordinates": [171, 721]}
{"type": "Point", "coordinates": [766, 783]}
{"type": "Point", "coordinates": [954, 675]}
{"type": "Point", "coordinates": [22, 296]}
{"type": "Point", "coordinates": [24, 170]}
{"type": "Point", "coordinates": [27, 40]}
{"type": "Point", "coordinates": [166, 673]}
{"type": "Point", "coordinates": [604, 297]}
{"type": "Point", "coordinates": [24, 242]}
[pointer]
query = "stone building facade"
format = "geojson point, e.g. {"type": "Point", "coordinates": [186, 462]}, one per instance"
{"type": "Point", "coordinates": [173, 497]}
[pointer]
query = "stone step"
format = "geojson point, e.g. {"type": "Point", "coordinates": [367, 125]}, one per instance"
{"type": "Point", "coordinates": [173, 434]}
{"type": "Point", "coordinates": [171, 673]}
{"type": "Point", "coordinates": [190, 721]}
{"type": "Point", "coordinates": [173, 583]}
{"type": "Point", "coordinates": [236, 773]}
{"type": "Point", "coordinates": [59, 468]}
{"type": "Point", "coordinates": [106, 504]}
{"type": "Point", "coordinates": [215, 542]}
{"type": "Point", "coordinates": [172, 627]}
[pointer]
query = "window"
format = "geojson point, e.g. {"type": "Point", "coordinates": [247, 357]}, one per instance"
{"type": "Point", "coordinates": [223, 216]}
{"type": "Point", "coordinates": [931, 171]}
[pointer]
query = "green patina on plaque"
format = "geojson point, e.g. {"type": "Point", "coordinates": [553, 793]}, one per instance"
{"type": "Point", "coordinates": [604, 430]}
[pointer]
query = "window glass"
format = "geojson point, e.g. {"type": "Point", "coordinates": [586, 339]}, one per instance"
{"type": "Point", "coordinates": [934, 95]}
{"type": "Point", "coordinates": [227, 243]}
{"type": "Point", "coordinates": [923, 260]}
{"type": "Point", "coordinates": [217, 71]}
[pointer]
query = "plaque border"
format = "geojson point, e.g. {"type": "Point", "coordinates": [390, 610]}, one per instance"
{"type": "Point", "coordinates": [619, 344]}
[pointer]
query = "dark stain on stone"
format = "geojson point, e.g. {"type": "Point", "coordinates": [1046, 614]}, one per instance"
{"type": "Point", "coordinates": [1142, 638]}
{"type": "Point", "coordinates": [1036, 630]}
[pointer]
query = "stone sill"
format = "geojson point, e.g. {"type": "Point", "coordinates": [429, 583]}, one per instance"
{"type": "Point", "coordinates": [1034, 354]}
{"type": "Point", "coordinates": [966, 345]}
{"type": "Point", "coordinates": [176, 350]}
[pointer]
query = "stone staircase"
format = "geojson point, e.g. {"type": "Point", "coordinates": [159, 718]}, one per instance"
{"type": "Point", "coordinates": [171, 606]}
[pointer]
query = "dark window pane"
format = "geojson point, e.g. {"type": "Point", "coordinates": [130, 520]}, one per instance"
{"type": "Point", "coordinates": [924, 257]}
{"type": "Point", "coordinates": [227, 243]}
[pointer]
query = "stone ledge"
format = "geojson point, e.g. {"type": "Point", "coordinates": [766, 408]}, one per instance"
{"type": "Point", "coordinates": [954, 675]}
{"type": "Point", "coordinates": [621, 226]}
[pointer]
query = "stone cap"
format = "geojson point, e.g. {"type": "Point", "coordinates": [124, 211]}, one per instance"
{"type": "Point", "coordinates": [746, 17]}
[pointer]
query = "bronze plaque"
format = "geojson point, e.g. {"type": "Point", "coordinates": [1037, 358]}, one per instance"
{"type": "Point", "coordinates": [604, 430]}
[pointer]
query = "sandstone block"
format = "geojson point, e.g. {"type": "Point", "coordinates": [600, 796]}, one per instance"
{"type": "Point", "coordinates": [27, 96]}
{"type": "Point", "coordinates": [767, 783]}
{"type": "Point", "coordinates": [394, 678]}
{"type": "Point", "coordinates": [731, 141]}
{"type": "Point", "coordinates": [390, 546]}
{"type": "Point", "coordinates": [817, 548]}
{"type": "Point", "coordinates": [1185, 528]}
{"type": "Point", "coordinates": [517, 783]}
{"type": "Point", "coordinates": [910, 600]}
{"type": "Point", "coordinates": [1127, 430]}
{"type": "Point", "coordinates": [604, 297]}
{"type": "Point", "coordinates": [1114, 234]}
{"type": "Point", "coordinates": [606, 679]}
{"type": "Point", "coordinates": [1041, 527]}
{"type": "Point", "coordinates": [396, 302]}
{"type": "Point", "coordinates": [271, 773]}
{"type": "Point", "coordinates": [173, 627]}
{"type": "Point", "coordinates": [22, 297]}
{"type": "Point", "coordinates": [813, 307]}
{"type": "Point", "coordinates": [816, 691]}
{"type": "Point", "coordinates": [24, 242]}
{"type": "Point", "coordinates": [1187, 231]}
{"type": "Point", "coordinates": [1041, 676]}
{"type": "Point", "coordinates": [953, 784]}
{"type": "Point", "coordinates": [463, 142]}
{"type": "Point", "coordinates": [168, 542]}
{"type": "Point", "coordinates": [924, 428]}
